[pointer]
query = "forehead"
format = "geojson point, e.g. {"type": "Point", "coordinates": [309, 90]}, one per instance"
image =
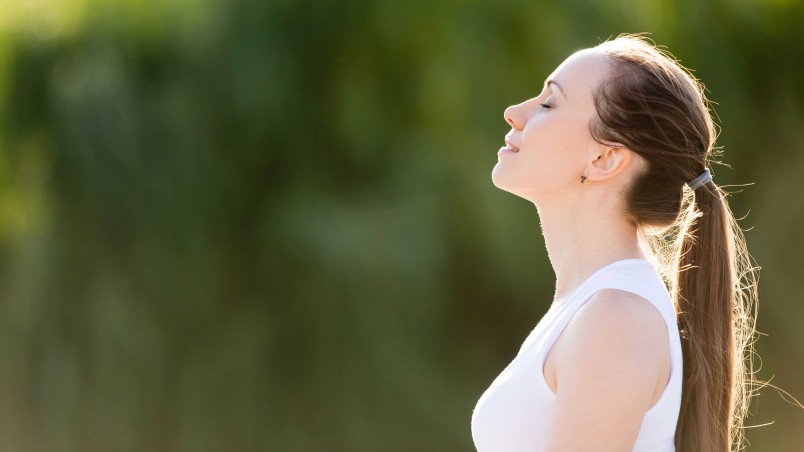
{"type": "Point", "coordinates": [581, 73]}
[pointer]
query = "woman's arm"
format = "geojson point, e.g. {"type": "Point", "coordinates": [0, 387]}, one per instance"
{"type": "Point", "coordinates": [610, 363]}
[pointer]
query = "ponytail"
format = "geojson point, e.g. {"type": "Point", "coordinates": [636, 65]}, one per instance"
{"type": "Point", "coordinates": [714, 292]}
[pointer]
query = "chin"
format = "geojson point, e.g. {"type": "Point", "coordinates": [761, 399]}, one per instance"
{"type": "Point", "coordinates": [498, 177]}
{"type": "Point", "coordinates": [502, 181]}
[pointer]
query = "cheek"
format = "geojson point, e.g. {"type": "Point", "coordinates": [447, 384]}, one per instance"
{"type": "Point", "coordinates": [556, 134]}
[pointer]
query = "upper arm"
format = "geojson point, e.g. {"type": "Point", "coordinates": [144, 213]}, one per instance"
{"type": "Point", "coordinates": [606, 373]}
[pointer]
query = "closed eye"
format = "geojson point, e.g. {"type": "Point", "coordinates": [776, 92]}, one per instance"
{"type": "Point", "coordinates": [546, 105]}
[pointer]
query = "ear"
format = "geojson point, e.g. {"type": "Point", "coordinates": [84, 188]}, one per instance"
{"type": "Point", "coordinates": [609, 162]}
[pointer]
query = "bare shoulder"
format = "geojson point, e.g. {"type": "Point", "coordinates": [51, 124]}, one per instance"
{"type": "Point", "coordinates": [608, 372]}
{"type": "Point", "coordinates": [612, 308]}
{"type": "Point", "coordinates": [610, 365]}
{"type": "Point", "coordinates": [619, 328]}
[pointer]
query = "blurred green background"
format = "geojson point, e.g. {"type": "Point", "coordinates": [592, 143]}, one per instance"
{"type": "Point", "coordinates": [270, 225]}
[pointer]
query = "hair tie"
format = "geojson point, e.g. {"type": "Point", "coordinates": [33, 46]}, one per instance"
{"type": "Point", "coordinates": [704, 178]}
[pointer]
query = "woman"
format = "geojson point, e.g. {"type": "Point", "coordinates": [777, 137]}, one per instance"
{"type": "Point", "coordinates": [613, 153]}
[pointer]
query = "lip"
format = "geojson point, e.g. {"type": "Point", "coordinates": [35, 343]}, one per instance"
{"type": "Point", "coordinates": [511, 146]}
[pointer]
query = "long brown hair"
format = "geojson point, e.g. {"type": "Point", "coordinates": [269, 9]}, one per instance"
{"type": "Point", "coordinates": [656, 108]}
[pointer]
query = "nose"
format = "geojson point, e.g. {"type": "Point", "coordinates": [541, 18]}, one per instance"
{"type": "Point", "coordinates": [513, 117]}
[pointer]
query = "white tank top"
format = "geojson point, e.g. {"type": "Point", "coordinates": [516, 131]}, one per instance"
{"type": "Point", "coordinates": [514, 414]}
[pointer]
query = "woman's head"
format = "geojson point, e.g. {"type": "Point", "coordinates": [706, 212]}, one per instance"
{"type": "Point", "coordinates": [622, 114]}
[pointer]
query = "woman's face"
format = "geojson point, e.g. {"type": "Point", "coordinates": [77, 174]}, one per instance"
{"type": "Point", "coordinates": [549, 146]}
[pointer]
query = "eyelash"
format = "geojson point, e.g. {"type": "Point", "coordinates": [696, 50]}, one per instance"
{"type": "Point", "coordinates": [546, 106]}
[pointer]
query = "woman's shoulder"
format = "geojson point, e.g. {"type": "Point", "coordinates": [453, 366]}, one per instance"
{"type": "Point", "coordinates": [611, 308]}
{"type": "Point", "coordinates": [616, 335]}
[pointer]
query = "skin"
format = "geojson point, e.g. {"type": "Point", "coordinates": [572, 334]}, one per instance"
{"type": "Point", "coordinates": [604, 380]}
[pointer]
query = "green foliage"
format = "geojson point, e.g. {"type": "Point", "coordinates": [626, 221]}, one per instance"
{"type": "Point", "coordinates": [253, 225]}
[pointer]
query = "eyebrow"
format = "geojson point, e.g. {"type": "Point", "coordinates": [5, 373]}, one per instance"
{"type": "Point", "coordinates": [560, 89]}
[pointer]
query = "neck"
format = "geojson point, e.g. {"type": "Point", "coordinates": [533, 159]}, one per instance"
{"type": "Point", "coordinates": [582, 240]}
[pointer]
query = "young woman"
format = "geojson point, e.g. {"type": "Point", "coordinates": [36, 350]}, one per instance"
{"type": "Point", "coordinates": [613, 153]}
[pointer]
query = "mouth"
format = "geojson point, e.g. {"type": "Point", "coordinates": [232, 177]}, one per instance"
{"type": "Point", "coordinates": [510, 146]}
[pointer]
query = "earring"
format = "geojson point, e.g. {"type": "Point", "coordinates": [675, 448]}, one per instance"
{"type": "Point", "coordinates": [584, 179]}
